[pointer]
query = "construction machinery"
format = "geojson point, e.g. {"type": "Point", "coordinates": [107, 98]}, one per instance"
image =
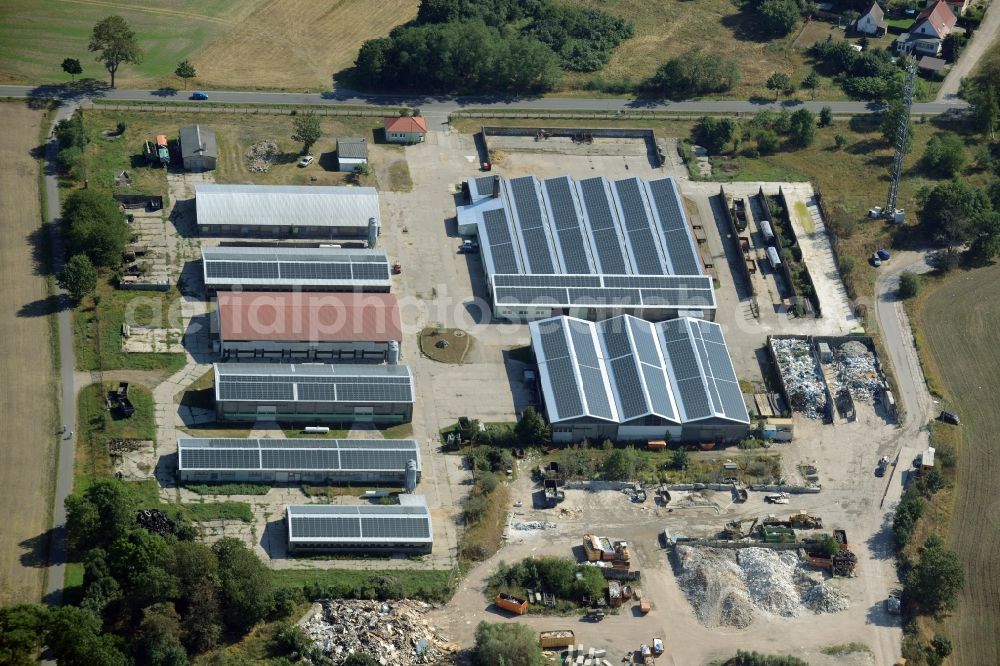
{"type": "Point", "coordinates": [804, 521]}
{"type": "Point", "coordinates": [622, 552]}
{"type": "Point", "coordinates": [734, 530]}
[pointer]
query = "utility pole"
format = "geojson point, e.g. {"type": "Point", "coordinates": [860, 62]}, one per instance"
{"type": "Point", "coordinates": [902, 135]}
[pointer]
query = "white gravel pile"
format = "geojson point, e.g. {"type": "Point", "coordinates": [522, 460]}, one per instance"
{"type": "Point", "coordinates": [260, 156]}
{"type": "Point", "coordinates": [730, 587]}
{"type": "Point", "coordinates": [770, 577]}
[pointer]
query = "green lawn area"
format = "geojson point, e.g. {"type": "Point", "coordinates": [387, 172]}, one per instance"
{"type": "Point", "coordinates": [36, 36]}
{"type": "Point", "coordinates": [97, 326]}
{"type": "Point", "coordinates": [227, 510]}
{"type": "Point", "coordinates": [430, 585]}
{"type": "Point", "coordinates": [96, 426]}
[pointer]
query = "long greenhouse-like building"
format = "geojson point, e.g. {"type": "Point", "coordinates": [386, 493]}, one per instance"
{"type": "Point", "coordinates": [392, 462]}
{"type": "Point", "coordinates": [591, 248]}
{"type": "Point", "coordinates": [314, 393]}
{"type": "Point", "coordinates": [627, 379]}
{"type": "Point", "coordinates": [379, 529]}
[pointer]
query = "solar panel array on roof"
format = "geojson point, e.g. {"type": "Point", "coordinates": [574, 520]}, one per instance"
{"type": "Point", "coordinates": [220, 454]}
{"type": "Point", "coordinates": [352, 525]}
{"type": "Point", "coordinates": [679, 371]}
{"type": "Point", "coordinates": [254, 266]}
{"type": "Point", "coordinates": [371, 384]}
{"type": "Point", "coordinates": [627, 229]}
{"type": "Point", "coordinates": [605, 290]}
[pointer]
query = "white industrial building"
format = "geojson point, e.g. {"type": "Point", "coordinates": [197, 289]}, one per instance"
{"type": "Point", "coordinates": [391, 462]}
{"type": "Point", "coordinates": [289, 211]}
{"type": "Point", "coordinates": [627, 379]}
{"type": "Point", "coordinates": [377, 529]}
{"type": "Point", "coordinates": [591, 248]}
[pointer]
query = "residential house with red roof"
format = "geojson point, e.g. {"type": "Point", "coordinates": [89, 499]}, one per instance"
{"type": "Point", "coordinates": [405, 129]}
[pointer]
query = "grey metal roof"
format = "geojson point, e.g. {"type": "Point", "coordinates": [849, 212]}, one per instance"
{"type": "Point", "coordinates": [286, 205]}
{"type": "Point", "coordinates": [557, 227]}
{"type": "Point", "coordinates": [198, 141]}
{"type": "Point", "coordinates": [406, 523]}
{"type": "Point", "coordinates": [354, 148]}
{"type": "Point", "coordinates": [334, 455]}
{"type": "Point", "coordinates": [636, 292]}
{"type": "Point", "coordinates": [313, 382]}
{"type": "Point", "coordinates": [319, 267]}
{"type": "Point", "coordinates": [624, 368]}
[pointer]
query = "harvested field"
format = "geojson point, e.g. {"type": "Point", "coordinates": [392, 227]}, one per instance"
{"type": "Point", "coordinates": [297, 44]}
{"type": "Point", "coordinates": [28, 428]}
{"type": "Point", "coordinates": [965, 307]}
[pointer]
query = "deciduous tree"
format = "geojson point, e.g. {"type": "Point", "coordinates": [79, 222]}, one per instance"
{"type": "Point", "coordinates": [779, 83]}
{"type": "Point", "coordinates": [306, 129]}
{"type": "Point", "coordinates": [245, 584]}
{"type": "Point", "coordinates": [531, 429]}
{"type": "Point", "coordinates": [714, 133]}
{"type": "Point", "coordinates": [79, 277]}
{"type": "Point", "coordinates": [94, 225]}
{"type": "Point", "coordinates": [934, 583]}
{"type": "Point", "coordinates": [509, 644]}
{"type": "Point", "coordinates": [810, 83]}
{"type": "Point", "coordinates": [944, 156]}
{"type": "Point", "coordinates": [115, 44]}
{"type": "Point", "coordinates": [185, 70]}
{"type": "Point", "coordinates": [802, 128]}
{"type": "Point", "coordinates": [72, 67]}
{"type": "Point", "coordinates": [621, 464]}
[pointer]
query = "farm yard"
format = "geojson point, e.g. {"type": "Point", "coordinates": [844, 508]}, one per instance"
{"type": "Point", "coordinates": [28, 427]}
{"type": "Point", "coordinates": [964, 306]}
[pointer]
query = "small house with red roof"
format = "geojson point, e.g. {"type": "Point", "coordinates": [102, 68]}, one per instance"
{"type": "Point", "coordinates": [933, 24]}
{"type": "Point", "coordinates": [405, 129]}
{"type": "Point", "coordinates": [957, 7]}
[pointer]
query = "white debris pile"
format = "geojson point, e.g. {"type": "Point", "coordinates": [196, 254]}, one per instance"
{"type": "Point", "coordinates": [770, 577]}
{"type": "Point", "coordinates": [534, 525]}
{"type": "Point", "coordinates": [391, 632]}
{"type": "Point", "coordinates": [802, 378]}
{"type": "Point", "coordinates": [731, 587]}
{"type": "Point", "coordinates": [716, 587]}
{"type": "Point", "coordinates": [856, 371]}
{"type": "Point", "coordinates": [260, 156]}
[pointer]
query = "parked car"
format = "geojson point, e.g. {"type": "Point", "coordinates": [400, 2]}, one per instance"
{"type": "Point", "coordinates": [469, 246]}
{"type": "Point", "coordinates": [197, 94]}
{"type": "Point", "coordinates": [657, 646]}
{"type": "Point", "coordinates": [892, 605]}
{"type": "Point", "coordinates": [306, 161]}
{"type": "Point", "coordinates": [949, 417]}
{"type": "Point", "coordinates": [645, 651]}
{"type": "Point", "coordinates": [876, 260]}
{"type": "Point", "coordinates": [883, 464]}
{"type": "Point", "coordinates": [883, 254]}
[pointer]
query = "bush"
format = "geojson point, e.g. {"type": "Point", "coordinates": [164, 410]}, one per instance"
{"type": "Point", "coordinates": [621, 465]}
{"type": "Point", "coordinates": [777, 18]}
{"type": "Point", "coordinates": [714, 133]}
{"type": "Point", "coordinates": [934, 583]}
{"type": "Point", "coordinates": [944, 156]}
{"type": "Point", "coordinates": [909, 284]}
{"type": "Point", "coordinates": [839, 140]}
{"type": "Point", "coordinates": [695, 73]}
{"type": "Point", "coordinates": [582, 37]}
{"type": "Point", "coordinates": [94, 225]}
{"type": "Point", "coordinates": [768, 142]}
{"type": "Point", "coordinates": [510, 644]}
{"type": "Point", "coordinates": [908, 512]}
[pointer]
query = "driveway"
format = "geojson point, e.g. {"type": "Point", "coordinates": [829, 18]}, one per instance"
{"type": "Point", "coordinates": [982, 40]}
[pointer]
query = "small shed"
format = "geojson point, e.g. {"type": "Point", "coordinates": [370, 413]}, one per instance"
{"type": "Point", "coordinates": [927, 460]}
{"type": "Point", "coordinates": [405, 129]}
{"type": "Point", "coordinates": [351, 153]}
{"type": "Point", "coordinates": [198, 149]}
{"type": "Point", "coordinates": [932, 64]}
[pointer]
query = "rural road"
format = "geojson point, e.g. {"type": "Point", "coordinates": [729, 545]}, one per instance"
{"type": "Point", "coordinates": [440, 107]}
{"type": "Point", "coordinates": [67, 402]}
{"type": "Point", "coordinates": [985, 37]}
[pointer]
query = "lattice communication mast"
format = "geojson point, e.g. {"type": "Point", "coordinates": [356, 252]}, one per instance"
{"type": "Point", "coordinates": [902, 135]}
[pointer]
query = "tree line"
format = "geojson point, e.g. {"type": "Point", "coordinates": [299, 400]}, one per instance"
{"type": "Point", "coordinates": [498, 46]}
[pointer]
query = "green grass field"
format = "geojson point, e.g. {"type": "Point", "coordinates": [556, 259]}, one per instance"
{"type": "Point", "coordinates": [36, 36]}
{"type": "Point", "coordinates": [96, 426]}
{"type": "Point", "coordinates": [431, 585]}
{"type": "Point", "coordinates": [961, 345]}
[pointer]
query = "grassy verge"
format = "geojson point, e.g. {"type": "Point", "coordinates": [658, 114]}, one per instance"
{"type": "Point", "coordinates": [204, 511]}
{"type": "Point", "coordinates": [97, 327]}
{"type": "Point", "coordinates": [454, 343]}
{"type": "Point", "coordinates": [399, 177]}
{"type": "Point", "coordinates": [429, 585]}
{"type": "Point", "coordinates": [73, 583]}
{"type": "Point", "coordinates": [227, 488]}
{"type": "Point", "coordinates": [97, 425]}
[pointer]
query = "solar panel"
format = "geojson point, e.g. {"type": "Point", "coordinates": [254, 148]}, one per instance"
{"type": "Point", "coordinates": [219, 459]}
{"type": "Point", "coordinates": [501, 244]}
{"type": "Point", "coordinates": [605, 297]}
{"type": "Point", "coordinates": [373, 393]}
{"type": "Point", "coordinates": [645, 343]}
{"type": "Point", "coordinates": [563, 203]}
{"type": "Point", "coordinates": [325, 392]}
{"type": "Point", "coordinates": [677, 235]}
{"type": "Point", "coordinates": [325, 527]}
{"type": "Point", "coordinates": [695, 399]}
{"type": "Point", "coordinates": [595, 200]}
{"type": "Point", "coordinates": [575, 255]}
{"type": "Point", "coordinates": [553, 338]}
{"type": "Point", "coordinates": [583, 343]}
{"type": "Point", "coordinates": [615, 337]}
{"type": "Point", "coordinates": [230, 390]}
{"type": "Point", "coordinates": [609, 251]}
{"type": "Point", "coordinates": [536, 247]}
{"type": "Point", "coordinates": [547, 280]}
{"type": "Point", "coordinates": [645, 253]}
{"type": "Point", "coordinates": [295, 460]}
{"type": "Point", "coordinates": [356, 459]}
{"type": "Point", "coordinates": [658, 281]}
{"type": "Point", "coordinates": [397, 529]}
{"type": "Point", "coordinates": [659, 394]}
{"type": "Point", "coordinates": [564, 388]}
{"type": "Point", "coordinates": [314, 271]}
{"type": "Point", "coordinates": [631, 401]}
{"type": "Point", "coordinates": [525, 192]}
{"type": "Point", "coordinates": [598, 401]}
{"type": "Point", "coordinates": [529, 296]}
{"type": "Point", "coordinates": [370, 271]}
{"type": "Point", "coordinates": [633, 204]}
{"type": "Point", "coordinates": [676, 297]}
{"type": "Point", "coordinates": [241, 270]}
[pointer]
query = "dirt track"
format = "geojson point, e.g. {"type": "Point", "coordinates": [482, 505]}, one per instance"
{"type": "Point", "coordinates": [27, 421]}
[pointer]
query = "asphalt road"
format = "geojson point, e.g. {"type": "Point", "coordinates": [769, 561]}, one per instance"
{"type": "Point", "coordinates": [67, 402]}
{"type": "Point", "coordinates": [984, 38]}
{"type": "Point", "coordinates": [438, 107]}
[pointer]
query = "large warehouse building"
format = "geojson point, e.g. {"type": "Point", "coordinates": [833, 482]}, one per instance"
{"type": "Point", "coordinates": [296, 327]}
{"type": "Point", "coordinates": [288, 211]}
{"type": "Point", "coordinates": [230, 268]}
{"type": "Point", "coordinates": [340, 528]}
{"type": "Point", "coordinates": [393, 462]}
{"type": "Point", "coordinates": [314, 393]}
{"type": "Point", "coordinates": [591, 248]}
{"type": "Point", "coordinates": [627, 379]}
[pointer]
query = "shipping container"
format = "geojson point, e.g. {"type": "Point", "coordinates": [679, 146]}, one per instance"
{"type": "Point", "coordinates": [556, 639]}
{"type": "Point", "coordinates": [772, 256]}
{"type": "Point", "coordinates": [511, 603]}
{"type": "Point", "coordinates": [765, 228]}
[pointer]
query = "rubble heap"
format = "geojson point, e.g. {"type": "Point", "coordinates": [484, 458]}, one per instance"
{"type": "Point", "coordinates": [802, 379]}
{"type": "Point", "coordinates": [730, 587]}
{"type": "Point", "coordinates": [857, 372]}
{"type": "Point", "coordinates": [535, 525]}
{"type": "Point", "coordinates": [391, 632]}
{"type": "Point", "coordinates": [260, 156]}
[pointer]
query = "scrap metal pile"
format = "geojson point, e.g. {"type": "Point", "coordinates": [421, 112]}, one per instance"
{"type": "Point", "coordinates": [391, 632]}
{"type": "Point", "coordinates": [535, 525]}
{"type": "Point", "coordinates": [857, 371]}
{"type": "Point", "coordinates": [260, 156]}
{"type": "Point", "coordinates": [732, 587]}
{"type": "Point", "coordinates": [802, 378]}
